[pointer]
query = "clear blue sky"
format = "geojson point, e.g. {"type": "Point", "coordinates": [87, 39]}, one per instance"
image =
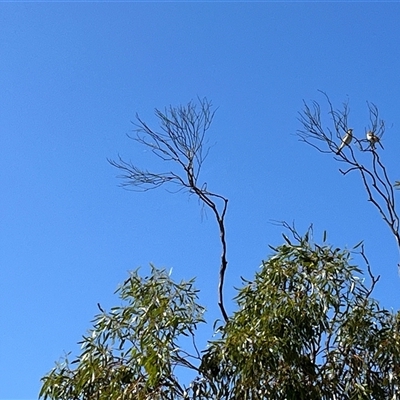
{"type": "Point", "coordinates": [73, 75]}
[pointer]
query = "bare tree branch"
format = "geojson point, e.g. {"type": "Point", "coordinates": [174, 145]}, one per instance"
{"type": "Point", "coordinates": [181, 141]}
{"type": "Point", "coordinates": [362, 157]}
{"type": "Point", "coordinates": [374, 280]}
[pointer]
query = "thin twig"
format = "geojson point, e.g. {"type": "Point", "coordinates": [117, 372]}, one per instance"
{"type": "Point", "coordinates": [374, 279]}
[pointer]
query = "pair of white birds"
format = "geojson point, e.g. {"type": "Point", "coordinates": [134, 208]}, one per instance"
{"type": "Point", "coordinates": [348, 137]}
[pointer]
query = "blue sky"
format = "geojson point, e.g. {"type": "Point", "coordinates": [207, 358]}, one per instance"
{"type": "Point", "coordinates": [73, 75]}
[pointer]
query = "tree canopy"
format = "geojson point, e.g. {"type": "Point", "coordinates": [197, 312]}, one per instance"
{"type": "Point", "coordinates": [305, 327]}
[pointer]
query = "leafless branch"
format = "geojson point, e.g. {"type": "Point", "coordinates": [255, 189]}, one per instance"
{"type": "Point", "coordinates": [374, 280]}
{"type": "Point", "coordinates": [292, 229]}
{"type": "Point", "coordinates": [181, 140]}
{"type": "Point", "coordinates": [363, 156]}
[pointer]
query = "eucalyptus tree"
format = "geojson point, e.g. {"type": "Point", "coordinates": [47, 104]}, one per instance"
{"type": "Point", "coordinates": [305, 327]}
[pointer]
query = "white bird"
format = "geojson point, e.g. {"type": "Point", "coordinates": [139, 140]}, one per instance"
{"type": "Point", "coordinates": [372, 138]}
{"type": "Point", "coordinates": [346, 140]}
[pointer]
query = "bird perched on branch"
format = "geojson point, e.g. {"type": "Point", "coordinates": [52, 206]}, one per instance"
{"type": "Point", "coordinates": [373, 139]}
{"type": "Point", "coordinates": [346, 140]}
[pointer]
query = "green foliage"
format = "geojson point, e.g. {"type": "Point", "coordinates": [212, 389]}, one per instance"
{"type": "Point", "coordinates": [305, 328]}
{"type": "Point", "coordinates": [131, 352]}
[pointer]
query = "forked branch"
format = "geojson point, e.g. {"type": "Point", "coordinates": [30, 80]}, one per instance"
{"type": "Point", "coordinates": [360, 152]}
{"type": "Point", "coordinates": [181, 142]}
